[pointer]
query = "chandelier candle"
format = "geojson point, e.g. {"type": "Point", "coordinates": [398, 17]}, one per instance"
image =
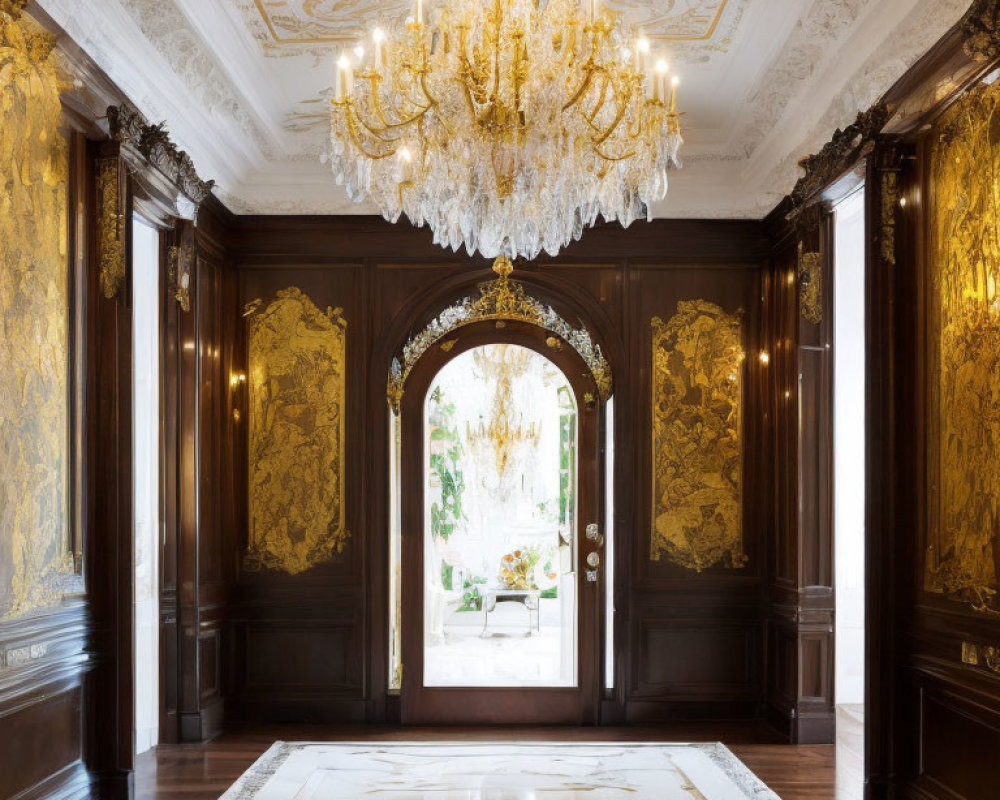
{"type": "Point", "coordinates": [522, 124]}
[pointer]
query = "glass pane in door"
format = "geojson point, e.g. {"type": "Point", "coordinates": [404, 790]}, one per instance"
{"type": "Point", "coordinates": [500, 475]}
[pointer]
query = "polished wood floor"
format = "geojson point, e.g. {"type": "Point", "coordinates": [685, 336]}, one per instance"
{"type": "Point", "coordinates": [203, 772]}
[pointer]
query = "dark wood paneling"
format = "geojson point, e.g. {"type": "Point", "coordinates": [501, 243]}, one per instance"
{"type": "Point", "coordinates": [390, 281]}
{"type": "Point", "coordinates": [42, 664]}
{"type": "Point", "coordinates": [688, 659]}
{"type": "Point", "coordinates": [958, 736]}
{"type": "Point", "coordinates": [310, 657]}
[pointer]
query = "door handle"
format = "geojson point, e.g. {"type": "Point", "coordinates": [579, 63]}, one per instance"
{"type": "Point", "coordinates": [593, 533]}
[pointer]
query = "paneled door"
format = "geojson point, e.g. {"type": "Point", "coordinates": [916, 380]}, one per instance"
{"type": "Point", "coordinates": [502, 555]}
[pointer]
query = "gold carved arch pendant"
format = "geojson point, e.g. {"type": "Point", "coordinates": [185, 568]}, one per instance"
{"type": "Point", "coordinates": [499, 299]}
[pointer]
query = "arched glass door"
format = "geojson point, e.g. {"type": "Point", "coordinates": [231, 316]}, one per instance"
{"type": "Point", "coordinates": [500, 467]}
{"type": "Point", "coordinates": [501, 587]}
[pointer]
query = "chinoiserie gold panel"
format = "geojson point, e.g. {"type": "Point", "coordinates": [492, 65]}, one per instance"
{"type": "Point", "coordinates": [697, 444]}
{"type": "Point", "coordinates": [963, 553]}
{"type": "Point", "coordinates": [35, 561]}
{"type": "Point", "coordinates": [297, 396]}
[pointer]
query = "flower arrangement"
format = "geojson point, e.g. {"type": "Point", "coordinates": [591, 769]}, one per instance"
{"type": "Point", "coordinates": [517, 569]}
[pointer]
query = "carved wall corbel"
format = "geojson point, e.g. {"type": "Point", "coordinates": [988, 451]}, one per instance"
{"type": "Point", "coordinates": [981, 28]}
{"type": "Point", "coordinates": [837, 157]}
{"type": "Point", "coordinates": [111, 224]}
{"type": "Point", "coordinates": [165, 175]}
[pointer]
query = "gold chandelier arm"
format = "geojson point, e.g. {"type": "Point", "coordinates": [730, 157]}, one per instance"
{"type": "Point", "coordinates": [640, 120]}
{"type": "Point", "coordinates": [587, 80]}
{"type": "Point", "coordinates": [352, 129]}
{"type": "Point", "coordinates": [605, 157]}
{"type": "Point", "coordinates": [619, 116]}
{"type": "Point", "coordinates": [431, 100]}
{"type": "Point", "coordinates": [379, 112]}
{"type": "Point", "coordinates": [600, 98]}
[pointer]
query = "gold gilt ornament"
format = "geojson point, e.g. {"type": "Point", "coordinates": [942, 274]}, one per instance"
{"type": "Point", "coordinates": [297, 358]}
{"type": "Point", "coordinates": [110, 225]}
{"type": "Point", "coordinates": [810, 286]}
{"type": "Point", "coordinates": [697, 444]}
{"type": "Point", "coordinates": [499, 300]}
{"type": "Point", "coordinates": [507, 126]}
{"type": "Point", "coordinates": [963, 557]}
{"type": "Point", "coordinates": [36, 566]}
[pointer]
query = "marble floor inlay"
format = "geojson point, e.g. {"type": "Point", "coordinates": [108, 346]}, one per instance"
{"type": "Point", "coordinates": [498, 771]}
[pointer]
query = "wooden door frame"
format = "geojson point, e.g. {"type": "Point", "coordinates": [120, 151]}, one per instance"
{"type": "Point", "coordinates": [577, 705]}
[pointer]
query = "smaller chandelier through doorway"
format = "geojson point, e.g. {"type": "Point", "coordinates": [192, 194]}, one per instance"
{"type": "Point", "coordinates": [506, 126]}
{"type": "Point", "coordinates": [500, 593]}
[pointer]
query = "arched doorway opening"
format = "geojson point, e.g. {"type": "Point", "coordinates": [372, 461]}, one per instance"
{"type": "Point", "coordinates": [500, 467]}
{"type": "Point", "coordinates": [499, 553]}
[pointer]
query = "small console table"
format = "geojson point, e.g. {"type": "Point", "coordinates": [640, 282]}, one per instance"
{"type": "Point", "coordinates": [527, 597]}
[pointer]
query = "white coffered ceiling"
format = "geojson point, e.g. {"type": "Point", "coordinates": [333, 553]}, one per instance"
{"type": "Point", "coordinates": [242, 84]}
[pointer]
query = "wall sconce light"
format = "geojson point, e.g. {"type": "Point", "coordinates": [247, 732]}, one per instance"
{"type": "Point", "coordinates": [237, 378]}
{"type": "Point", "coordinates": [765, 357]}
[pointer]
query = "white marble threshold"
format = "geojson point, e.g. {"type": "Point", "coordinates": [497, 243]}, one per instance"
{"type": "Point", "coordinates": [498, 771]}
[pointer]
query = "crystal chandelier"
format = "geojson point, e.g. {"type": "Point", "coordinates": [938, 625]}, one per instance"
{"type": "Point", "coordinates": [507, 126]}
{"type": "Point", "coordinates": [504, 434]}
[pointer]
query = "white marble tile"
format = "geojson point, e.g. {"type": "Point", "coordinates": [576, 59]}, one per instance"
{"type": "Point", "coordinates": [498, 771]}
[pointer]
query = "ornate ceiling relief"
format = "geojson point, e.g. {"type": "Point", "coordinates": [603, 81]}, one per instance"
{"type": "Point", "coordinates": [674, 20]}
{"type": "Point", "coordinates": [35, 558]}
{"type": "Point", "coordinates": [297, 357]}
{"type": "Point", "coordinates": [283, 24]}
{"type": "Point", "coordinates": [299, 22]}
{"type": "Point", "coordinates": [963, 553]}
{"type": "Point", "coordinates": [696, 438]}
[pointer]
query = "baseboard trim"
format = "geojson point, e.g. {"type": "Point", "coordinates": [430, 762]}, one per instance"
{"type": "Point", "coordinates": [73, 782]}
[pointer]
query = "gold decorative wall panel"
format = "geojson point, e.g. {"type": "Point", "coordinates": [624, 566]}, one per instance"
{"type": "Point", "coordinates": [297, 394]}
{"type": "Point", "coordinates": [35, 562]}
{"type": "Point", "coordinates": [963, 554]}
{"type": "Point", "coordinates": [697, 444]}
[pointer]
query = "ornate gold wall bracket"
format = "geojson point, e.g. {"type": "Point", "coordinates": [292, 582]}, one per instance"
{"type": "Point", "coordinates": [110, 225]}
{"type": "Point", "coordinates": [697, 455]}
{"type": "Point", "coordinates": [502, 300]}
{"type": "Point", "coordinates": [810, 286]}
{"type": "Point", "coordinates": [180, 265]}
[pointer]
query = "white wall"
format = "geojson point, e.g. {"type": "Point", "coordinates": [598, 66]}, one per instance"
{"type": "Point", "coordinates": [849, 448]}
{"type": "Point", "coordinates": [146, 476]}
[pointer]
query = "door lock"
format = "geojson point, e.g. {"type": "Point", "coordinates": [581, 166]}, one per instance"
{"type": "Point", "coordinates": [594, 534]}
